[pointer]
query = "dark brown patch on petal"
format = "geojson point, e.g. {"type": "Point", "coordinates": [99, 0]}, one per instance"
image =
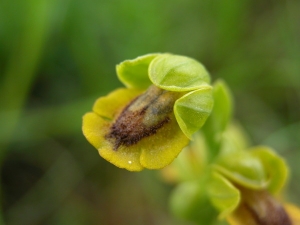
{"type": "Point", "coordinates": [142, 117]}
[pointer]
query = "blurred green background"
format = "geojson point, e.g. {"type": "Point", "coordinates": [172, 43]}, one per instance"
{"type": "Point", "coordinates": [58, 56]}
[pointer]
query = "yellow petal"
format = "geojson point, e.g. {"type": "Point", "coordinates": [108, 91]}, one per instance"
{"type": "Point", "coordinates": [161, 149]}
{"type": "Point", "coordinates": [232, 220]}
{"type": "Point", "coordinates": [294, 213]}
{"type": "Point", "coordinates": [111, 105]}
{"type": "Point", "coordinates": [95, 129]}
{"type": "Point", "coordinates": [125, 157]}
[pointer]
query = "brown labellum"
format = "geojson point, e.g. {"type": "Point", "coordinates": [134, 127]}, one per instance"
{"type": "Point", "coordinates": [142, 117]}
{"type": "Point", "coordinates": [260, 208]}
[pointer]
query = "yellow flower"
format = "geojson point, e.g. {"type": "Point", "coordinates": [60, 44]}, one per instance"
{"type": "Point", "coordinates": [293, 212]}
{"type": "Point", "coordinates": [147, 124]}
{"type": "Point", "coordinates": [138, 147]}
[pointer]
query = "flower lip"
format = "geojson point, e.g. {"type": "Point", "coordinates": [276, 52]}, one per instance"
{"type": "Point", "coordinates": [142, 117]}
{"type": "Point", "coordinates": [152, 152]}
{"type": "Point", "coordinates": [261, 208]}
{"type": "Point", "coordinates": [135, 130]}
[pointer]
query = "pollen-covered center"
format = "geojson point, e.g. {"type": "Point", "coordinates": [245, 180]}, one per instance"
{"type": "Point", "coordinates": [142, 117]}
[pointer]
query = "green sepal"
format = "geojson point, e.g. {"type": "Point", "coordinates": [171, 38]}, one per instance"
{"type": "Point", "coordinates": [134, 73]}
{"type": "Point", "coordinates": [243, 168]}
{"type": "Point", "coordinates": [189, 200]}
{"type": "Point", "coordinates": [275, 167]}
{"type": "Point", "coordinates": [220, 117]}
{"type": "Point", "coordinates": [223, 194]}
{"type": "Point", "coordinates": [192, 109]}
{"type": "Point", "coordinates": [177, 73]}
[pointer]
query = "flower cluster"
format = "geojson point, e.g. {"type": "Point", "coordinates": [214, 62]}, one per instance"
{"type": "Point", "coordinates": [145, 125]}
{"type": "Point", "coordinates": [167, 99]}
{"type": "Point", "coordinates": [222, 176]}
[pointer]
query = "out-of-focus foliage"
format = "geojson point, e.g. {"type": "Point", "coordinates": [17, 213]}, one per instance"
{"type": "Point", "coordinates": [237, 178]}
{"type": "Point", "coordinates": [57, 56]}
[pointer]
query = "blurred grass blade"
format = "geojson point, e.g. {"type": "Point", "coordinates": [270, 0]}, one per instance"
{"type": "Point", "coordinates": [22, 65]}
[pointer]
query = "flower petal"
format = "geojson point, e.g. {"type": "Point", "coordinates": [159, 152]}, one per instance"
{"type": "Point", "coordinates": [243, 168]}
{"type": "Point", "coordinates": [95, 129]}
{"type": "Point", "coordinates": [221, 115]}
{"type": "Point", "coordinates": [293, 212]}
{"type": "Point", "coordinates": [177, 73]}
{"type": "Point", "coordinates": [111, 105]}
{"type": "Point", "coordinates": [224, 196]}
{"type": "Point", "coordinates": [125, 157]}
{"type": "Point", "coordinates": [275, 167]}
{"type": "Point", "coordinates": [151, 152]}
{"type": "Point", "coordinates": [161, 149]}
{"type": "Point", "coordinates": [192, 110]}
{"type": "Point", "coordinates": [134, 73]}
